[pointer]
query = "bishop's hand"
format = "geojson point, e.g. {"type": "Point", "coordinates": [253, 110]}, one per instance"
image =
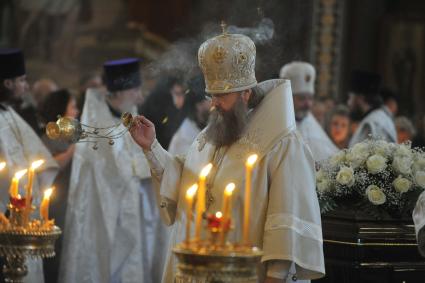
{"type": "Point", "coordinates": [143, 132]}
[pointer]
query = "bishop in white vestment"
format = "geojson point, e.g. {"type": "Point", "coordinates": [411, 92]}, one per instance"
{"type": "Point", "coordinates": [113, 231]}
{"type": "Point", "coordinates": [248, 118]}
{"type": "Point", "coordinates": [302, 76]}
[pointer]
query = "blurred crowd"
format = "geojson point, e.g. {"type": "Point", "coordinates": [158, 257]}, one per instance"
{"type": "Point", "coordinates": [171, 100]}
{"type": "Point", "coordinates": [340, 123]}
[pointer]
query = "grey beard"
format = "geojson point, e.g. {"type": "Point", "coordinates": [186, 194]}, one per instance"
{"type": "Point", "coordinates": [300, 115]}
{"type": "Point", "coordinates": [226, 127]}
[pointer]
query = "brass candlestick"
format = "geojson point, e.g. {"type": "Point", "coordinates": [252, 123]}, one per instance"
{"type": "Point", "coordinates": [210, 260]}
{"type": "Point", "coordinates": [20, 239]}
{"type": "Point", "coordinates": [72, 131]}
{"type": "Point", "coordinates": [227, 265]}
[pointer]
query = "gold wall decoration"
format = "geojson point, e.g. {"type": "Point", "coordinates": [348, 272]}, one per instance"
{"type": "Point", "coordinates": [327, 44]}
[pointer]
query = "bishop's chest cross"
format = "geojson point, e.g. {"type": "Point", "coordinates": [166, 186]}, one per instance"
{"type": "Point", "coordinates": [216, 161]}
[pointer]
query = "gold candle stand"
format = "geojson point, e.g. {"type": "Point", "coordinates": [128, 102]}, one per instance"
{"type": "Point", "coordinates": [20, 239]}
{"type": "Point", "coordinates": [208, 265]}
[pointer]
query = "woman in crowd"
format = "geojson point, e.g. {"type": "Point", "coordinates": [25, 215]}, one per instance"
{"type": "Point", "coordinates": [62, 103]}
{"type": "Point", "coordinates": [338, 126]}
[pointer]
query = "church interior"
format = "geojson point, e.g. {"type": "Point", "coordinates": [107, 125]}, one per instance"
{"type": "Point", "coordinates": [300, 125]}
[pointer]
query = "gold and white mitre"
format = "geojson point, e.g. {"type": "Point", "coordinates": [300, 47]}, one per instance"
{"type": "Point", "coordinates": [228, 63]}
{"type": "Point", "coordinates": [302, 76]}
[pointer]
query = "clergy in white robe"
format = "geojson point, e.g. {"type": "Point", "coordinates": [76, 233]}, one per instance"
{"type": "Point", "coordinates": [302, 76]}
{"type": "Point", "coordinates": [285, 220]}
{"type": "Point", "coordinates": [19, 147]}
{"type": "Point", "coordinates": [113, 231]}
{"type": "Point", "coordinates": [184, 137]}
{"type": "Point", "coordinates": [365, 101]}
{"type": "Point", "coordinates": [19, 144]}
{"type": "Point", "coordinates": [377, 124]}
{"type": "Point", "coordinates": [419, 221]}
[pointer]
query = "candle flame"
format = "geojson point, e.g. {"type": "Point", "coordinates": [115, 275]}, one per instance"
{"type": "Point", "coordinates": [48, 193]}
{"type": "Point", "coordinates": [229, 189]}
{"type": "Point", "coordinates": [20, 174]}
{"type": "Point", "coordinates": [206, 170]}
{"type": "Point", "coordinates": [2, 165]}
{"type": "Point", "coordinates": [252, 159]}
{"type": "Point", "coordinates": [218, 214]}
{"type": "Point", "coordinates": [191, 191]}
{"type": "Point", "coordinates": [37, 164]}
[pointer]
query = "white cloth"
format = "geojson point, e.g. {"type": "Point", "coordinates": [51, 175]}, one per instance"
{"type": "Point", "coordinates": [286, 220]}
{"type": "Point", "coordinates": [113, 232]}
{"type": "Point", "coordinates": [378, 124]}
{"type": "Point", "coordinates": [320, 144]}
{"type": "Point", "coordinates": [19, 146]}
{"type": "Point", "coordinates": [419, 220]}
{"type": "Point", "coordinates": [184, 137]}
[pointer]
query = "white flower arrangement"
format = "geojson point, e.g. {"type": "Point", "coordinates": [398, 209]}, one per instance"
{"type": "Point", "coordinates": [373, 175]}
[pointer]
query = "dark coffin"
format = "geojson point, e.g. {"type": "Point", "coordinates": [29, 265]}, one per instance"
{"type": "Point", "coordinates": [359, 249]}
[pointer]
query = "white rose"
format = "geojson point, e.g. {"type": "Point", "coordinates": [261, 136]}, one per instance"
{"type": "Point", "coordinates": [401, 184]}
{"type": "Point", "coordinates": [375, 195]}
{"type": "Point", "coordinates": [323, 185]}
{"type": "Point", "coordinates": [338, 158]}
{"type": "Point", "coordinates": [403, 150]}
{"type": "Point", "coordinates": [345, 176]}
{"type": "Point", "coordinates": [382, 148]}
{"type": "Point", "coordinates": [320, 174]}
{"type": "Point", "coordinates": [376, 163]}
{"type": "Point", "coordinates": [419, 164]}
{"type": "Point", "coordinates": [402, 164]}
{"type": "Point", "coordinates": [420, 179]}
{"type": "Point", "coordinates": [358, 154]}
{"type": "Point", "coordinates": [361, 150]}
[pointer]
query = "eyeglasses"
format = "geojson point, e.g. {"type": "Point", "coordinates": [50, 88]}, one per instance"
{"type": "Point", "coordinates": [217, 96]}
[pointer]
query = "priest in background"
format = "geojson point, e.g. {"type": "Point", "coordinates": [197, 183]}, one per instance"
{"type": "Point", "coordinates": [247, 117]}
{"type": "Point", "coordinates": [113, 233]}
{"type": "Point", "coordinates": [365, 102]}
{"type": "Point", "coordinates": [17, 89]}
{"type": "Point", "coordinates": [19, 144]}
{"type": "Point", "coordinates": [302, 76]}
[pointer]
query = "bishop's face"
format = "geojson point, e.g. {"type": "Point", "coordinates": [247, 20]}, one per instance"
{"type": "Point", "coordinates": [302, 105]}
{"type": "Point", "coordinates": [228, 118]}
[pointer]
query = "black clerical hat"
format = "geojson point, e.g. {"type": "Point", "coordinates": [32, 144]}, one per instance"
{"type": "Point", "coordinates": [122, 74]}
{"type": "Point", "coordinates": [365, 83]}
{"type": "Point", "coordinates": [12, 63]}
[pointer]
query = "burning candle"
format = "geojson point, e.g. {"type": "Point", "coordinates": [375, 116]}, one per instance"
{"type": "Point", "coordinates": [14, 186]}
{"type": "Point", "coordinates": [44, 207]}
{"type": "Point", "coordinates": [190, 194]}
{"type": "Point", "coordinates": [248, 171]}
{"type": "Point", "coordinates": [200, 206]}
{"type": "Point", "coordinates": [227, 209]}
{"type": "Point", "coordinates": [2, 165]}
{"type": "Point", "coordinates": [31, 173]}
